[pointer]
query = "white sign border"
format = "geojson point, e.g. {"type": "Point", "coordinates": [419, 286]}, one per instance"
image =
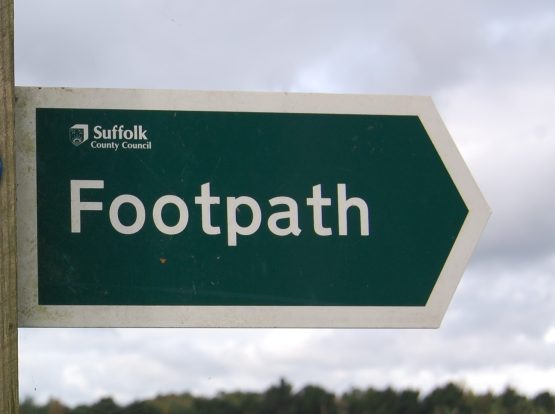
{"type": "Point", "coordinates": [31, 314]}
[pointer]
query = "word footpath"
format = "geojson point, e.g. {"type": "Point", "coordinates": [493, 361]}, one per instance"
{"type": "Point", "coordinates": [205, 200]}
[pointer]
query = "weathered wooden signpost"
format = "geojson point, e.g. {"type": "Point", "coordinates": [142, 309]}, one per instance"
{"type": "Point", "coordinates": [8, 307]}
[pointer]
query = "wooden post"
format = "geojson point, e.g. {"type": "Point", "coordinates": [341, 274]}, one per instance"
{"type": "Point", "coordinates": [9, 399]}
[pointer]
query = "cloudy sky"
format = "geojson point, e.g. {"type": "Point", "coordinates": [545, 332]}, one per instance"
{"type": "Point", "coordinates": [489, 67]}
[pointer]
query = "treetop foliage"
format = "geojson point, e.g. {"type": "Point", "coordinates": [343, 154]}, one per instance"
{"type": "Point", "coordinates": [282, 399]}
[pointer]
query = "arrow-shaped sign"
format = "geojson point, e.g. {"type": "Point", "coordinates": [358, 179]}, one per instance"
{"type": "Point", "coordinates": [166, 208]}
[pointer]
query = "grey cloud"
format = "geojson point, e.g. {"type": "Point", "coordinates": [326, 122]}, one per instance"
{"type": "Point", "coordinates": [352, 47]}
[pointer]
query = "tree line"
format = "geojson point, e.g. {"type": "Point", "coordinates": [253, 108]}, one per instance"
{"type": "Point", "coordinates": [281, 399]}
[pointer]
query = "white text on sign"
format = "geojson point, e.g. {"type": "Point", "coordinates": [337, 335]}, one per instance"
{"type": "Point", "coordinates": [288, 217]}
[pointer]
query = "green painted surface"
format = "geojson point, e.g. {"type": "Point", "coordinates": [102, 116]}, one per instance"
{"type": "Point", "coordinates": [415, 212]}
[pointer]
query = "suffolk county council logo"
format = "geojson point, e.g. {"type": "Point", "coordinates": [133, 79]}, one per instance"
{"type": "Point", "coordinates": [78, 134]}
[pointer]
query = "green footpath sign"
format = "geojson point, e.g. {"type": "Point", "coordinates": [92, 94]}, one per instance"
{"type": "Point", "coordinates": [158, 208]}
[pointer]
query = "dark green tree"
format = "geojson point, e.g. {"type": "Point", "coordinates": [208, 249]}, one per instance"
{"type": "Point", "coordinates": [216, 405]}
{"type": "Point", "coordinates": [407, 403]}
{"type": "Point", "coordinates": [243, 402]}
{"type": "Point", "coordinates": [546, 402]}
{"type": "Point", "coordinates": [363, 402]}
{"type": "Point", "coordinates": [377, 402]}
{"type": "Point", "coordinates": [314, 400]}
{"type": "Point", "coordinates": [351, 402]}
{"type": "Point", "coordinates": [449, 399]}
{"type": "Point", "coordinates": [28, 406]}
{"type": "Point", "coordinates": [104, 406]}
{"type": "Point", "coordinates": [140, 407]}
{"type": "Point", "coordinates": [81, 409]}
{"type": "Point", "coordinates": [514, 403]}
{"type": "Point", "coordinates": [278, 399]}
{"type": "Point", "coordinates": [485, 403]}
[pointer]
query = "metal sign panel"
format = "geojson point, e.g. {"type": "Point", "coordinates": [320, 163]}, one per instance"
{"type": "Point", "coordinates": [166, 208]}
